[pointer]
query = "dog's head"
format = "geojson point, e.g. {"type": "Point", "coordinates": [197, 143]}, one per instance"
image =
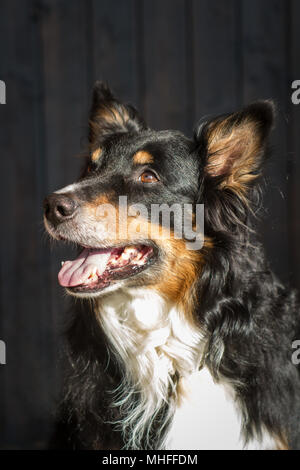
{"type": "Point", "coordinates": [114, 212]}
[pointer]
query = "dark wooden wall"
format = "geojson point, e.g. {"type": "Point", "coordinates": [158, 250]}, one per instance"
{"type": "Point", "coordinates": [176, 60]}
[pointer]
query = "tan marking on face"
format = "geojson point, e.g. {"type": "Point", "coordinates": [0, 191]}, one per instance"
{"type": "Point", "coordinates": [102, 199]}
{"type": "Point", "coordinates": [92, 206]}
{"type": "Point", "coordinates": [176, 277]}
{"type": "Point", "coordinates": [96, 155]}
{"type": "Point", "coordinates": [182, 267]}
{"type": "Point", "coordinates": [143, 158]}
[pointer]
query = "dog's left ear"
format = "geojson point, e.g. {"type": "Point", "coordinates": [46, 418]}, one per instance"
{"type": "Point", "coordinates": [234, 145]}
{"type": "Point", "coordinates": [108, 116]}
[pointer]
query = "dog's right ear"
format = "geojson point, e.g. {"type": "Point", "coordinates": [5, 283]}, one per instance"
{"type": "Point", "coordinates": [234, 146]}
{"type": "Point", "coordinates": [108, 116]}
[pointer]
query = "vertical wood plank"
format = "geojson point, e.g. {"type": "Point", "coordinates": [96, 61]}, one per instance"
{"type": "Point", "coordinates": [25, 395]}
{"type": "Point", "coordinates": [65, 73]}
{"type": "Point", "coordinates": [217, 67]}
{"type": "Point", "coordinates": [66, 94]}
{"type": "Point", "coordinates": [294, 144]}
{"type": "Point", "coordinates": [265, 76]}
{"type": "Point", "coordinates": [165, 64]}
{"type": "Point", "coordinates": [114, 45]}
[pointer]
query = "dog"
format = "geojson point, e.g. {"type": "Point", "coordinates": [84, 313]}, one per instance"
{"type": "Point", "coordinates": [173, 347]}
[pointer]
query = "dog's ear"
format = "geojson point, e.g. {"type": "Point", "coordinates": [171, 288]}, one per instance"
{"type": "Point", "coordinates": [108, 116]}
{"type": "Point", "coordinates": [234, 145]}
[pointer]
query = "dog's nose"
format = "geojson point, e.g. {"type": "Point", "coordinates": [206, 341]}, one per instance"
{"type": "Point", "coordinates": [59, 207]}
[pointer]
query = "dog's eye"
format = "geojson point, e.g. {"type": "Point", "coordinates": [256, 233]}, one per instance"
{"type": "Point", "coordinates": [148, 177]}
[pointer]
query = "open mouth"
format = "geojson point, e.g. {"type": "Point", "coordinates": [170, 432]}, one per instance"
{"type": "Point", "coordinates": [95, 269]}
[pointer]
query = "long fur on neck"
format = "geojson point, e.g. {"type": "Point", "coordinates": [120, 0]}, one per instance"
{"type": "Point", "coordinates": [156, 345]}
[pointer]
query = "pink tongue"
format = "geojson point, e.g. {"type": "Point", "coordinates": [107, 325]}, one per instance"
{"type": "Point", "coordinates": [74, 273]}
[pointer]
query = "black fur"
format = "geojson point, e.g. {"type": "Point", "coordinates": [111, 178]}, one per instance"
{"type": "Point", "coordinates": [242, 307]}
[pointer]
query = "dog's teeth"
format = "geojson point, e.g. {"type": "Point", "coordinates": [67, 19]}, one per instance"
{"type": "Point", "coordinates": [62, 263]}
{"type": "Point", "coordinates": [93, 272]}
{"type": "Point", "coordinates": [128, 252]}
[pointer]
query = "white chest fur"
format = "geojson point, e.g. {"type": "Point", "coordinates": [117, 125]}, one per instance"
{"type": "Point", "coordinates": [208, 419]}
{"type": "Point", "coordinates": [154, 341]}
